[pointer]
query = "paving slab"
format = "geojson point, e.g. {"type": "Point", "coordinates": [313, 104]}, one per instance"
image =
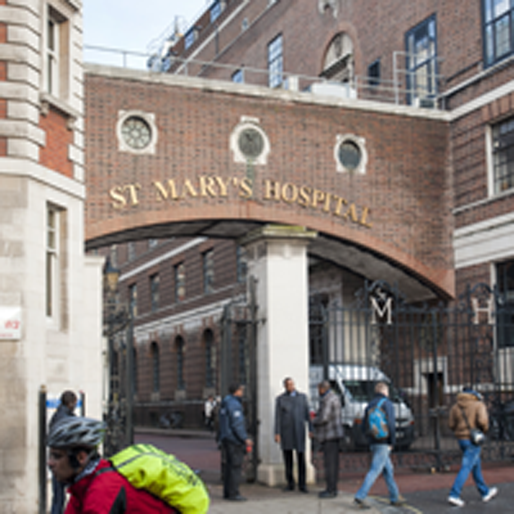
{"type": "Point", "coordinates": [267, 500]}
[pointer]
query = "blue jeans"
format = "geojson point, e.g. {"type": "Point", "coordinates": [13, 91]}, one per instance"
{"type": "Point", "coordinates": [470, 464]}
{"type": "Point", "coordinates": [380, 463]}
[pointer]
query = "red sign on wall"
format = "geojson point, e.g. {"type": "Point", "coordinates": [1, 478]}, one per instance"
{"type": "Point", "coordinates": [10, 323]}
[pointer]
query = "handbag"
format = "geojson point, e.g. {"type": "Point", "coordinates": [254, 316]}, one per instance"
{"type": "Point", "coordinates": [476, 436]}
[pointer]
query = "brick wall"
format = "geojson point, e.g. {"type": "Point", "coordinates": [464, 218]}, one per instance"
{"type": "Point", "coordinates": [406, 187]}
{"type": "Point", "coordinates": [54, 154]}
{"type": "Point", "coordinates": [307, 35]}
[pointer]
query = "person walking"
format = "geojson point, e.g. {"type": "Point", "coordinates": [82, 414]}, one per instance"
{"type": "Point", "coordinates": [291, 415]}
{"type": "Point", "coordinates": [467, 414]}
{"type": "Point", "coordinates": [209, 410]}
{"type": "Point", "coordinates": [379, 426]}
{"type": "Point", "coordinates": [234, 441]}
{"type": "Point", "coordinates": [66, 408]}
{"type": "Point", "coordinates": [329, 431]}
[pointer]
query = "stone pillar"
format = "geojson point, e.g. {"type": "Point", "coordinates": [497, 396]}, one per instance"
{"type": "Point", "coordinates": [277, 259]}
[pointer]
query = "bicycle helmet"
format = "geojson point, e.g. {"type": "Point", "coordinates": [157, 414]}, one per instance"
{"type": "Point", "coordinates": [76, 431]}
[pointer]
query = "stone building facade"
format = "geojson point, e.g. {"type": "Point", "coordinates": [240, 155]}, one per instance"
{"type": "Point", "coordinates": [50, 292]}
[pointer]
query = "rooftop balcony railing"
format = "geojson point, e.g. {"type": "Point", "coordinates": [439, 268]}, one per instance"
{"type": "Point", "coordinates": [416, 88]}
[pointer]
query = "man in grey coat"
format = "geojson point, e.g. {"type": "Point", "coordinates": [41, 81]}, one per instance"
{"type": "Point", "coordinates": [291, 415]}
{"type": "Point", "coordinates": [329, 430]}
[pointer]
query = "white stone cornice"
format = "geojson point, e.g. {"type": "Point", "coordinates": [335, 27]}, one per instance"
{"type": "Point", "coordinates": [25, 168]}
{"type": "Point", "coordinates": [23, 130]}
{"type": "Point", "coordinates": [250, 90]}
{"type": "Point", "coordinates": [485, 241]}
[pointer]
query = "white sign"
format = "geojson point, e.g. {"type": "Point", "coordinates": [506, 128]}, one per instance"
{"type": "Point", "coordinates": [10, 323]}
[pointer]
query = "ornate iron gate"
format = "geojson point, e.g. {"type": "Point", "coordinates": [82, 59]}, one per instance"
{"type": "Point", "coordinates": [429, 352]}
{"type": "Point", "coordinates": [239, 363]}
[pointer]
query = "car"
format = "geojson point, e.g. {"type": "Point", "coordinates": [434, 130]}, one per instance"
{"type": "Point", "coordinates": [355, 385]}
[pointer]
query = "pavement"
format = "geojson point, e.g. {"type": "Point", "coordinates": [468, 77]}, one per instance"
{"type": "Point", "coordinates": [425, 492]}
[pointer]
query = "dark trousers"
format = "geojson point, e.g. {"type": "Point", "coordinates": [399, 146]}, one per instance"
{"type": "Point", "coordinates": [331, 462]}
{"type": "Point", "coordinates": [234, 454]}
{"type": "Point", "coordinates": [57, 497]}
{"type": "Point", "coordinates": [288, 461]}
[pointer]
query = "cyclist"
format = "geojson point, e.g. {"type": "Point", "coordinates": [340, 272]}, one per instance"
{"type": "Point", "coordinates": [95, 488]}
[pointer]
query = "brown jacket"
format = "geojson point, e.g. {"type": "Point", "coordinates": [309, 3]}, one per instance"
{"type": "Point", "coordinates": [475, 411]}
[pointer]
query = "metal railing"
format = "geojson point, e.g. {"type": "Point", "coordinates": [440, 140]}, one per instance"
{"type": "Point", "coordinates": [394, 91]}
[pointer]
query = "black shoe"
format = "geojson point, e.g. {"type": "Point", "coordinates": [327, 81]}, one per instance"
{"type": "Point", "coordinates": [288, 488]}
{"type": "Point", "coordinates": [327, 494]}
{"type": "Point", "coordinates": [361, 504]}
{"type": "Point", "coordinates": [237, 498]}
{"type": "Point", "coordinates": [304, 490]}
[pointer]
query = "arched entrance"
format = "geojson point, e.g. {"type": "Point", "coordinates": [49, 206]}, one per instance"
{"type": "Point", "coordinates": [291, 177]}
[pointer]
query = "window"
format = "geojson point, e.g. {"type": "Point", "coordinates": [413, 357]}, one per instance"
{"type": "Point", "coordinates": [135, 382]}
{"type": "Point", "coordinates": [154, 352]}
{"type": "Point", "coordinates": [132, 294]}
{"type": "Point", "coordinates": [338, 65]}
{"type": "Point", "coordinates": [210, 358]}
{"type": "Point", "coordinates": [154, 292]}
{"type": "Point", "coordinates": [190, 37]}
{"type": "Point", "coordinates": [374, 73]}
{"type": "Point", "coordinates": [52, 260]}
{"type": "Point", "coordinates": [52, 56]}
{"type": "Point", "coordinates": [421, 61]}
{"type": "Point", "coordinates": [503, 156]}
{"type": "Point", "coordinates": [208, 271]}
{"type": "Point", "coordinates": [505, 281]}
{"type": "Point", "coordinates": [113, 255]}
{"type": "Point", "coordinates": [275, 62]}
{"type": "Point", "coordinates": [56, 54]}
{"type": "Point", "coordinates": [180, 282]}
{"type": "Point", "coordinates": [216, 10]}
{"type": "Point", "coordinates": [238, 76]}
{"type": "Point", "coordinates": [131, 250]}
{"type": "Point", "coordinates": [241, 264]}
{"type": "Point", "coordinates": [498, 30]}
{"type": "Point", "coordinates": [152, 243]}
{"type": "Point", "coordinates": [179, 344]}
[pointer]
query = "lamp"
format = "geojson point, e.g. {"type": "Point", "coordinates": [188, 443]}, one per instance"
{"type": "Point", "coordinates": [111, 277]}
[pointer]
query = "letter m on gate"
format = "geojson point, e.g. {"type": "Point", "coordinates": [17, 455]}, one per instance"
{"type": "Point", "coordinates": [387, 309]}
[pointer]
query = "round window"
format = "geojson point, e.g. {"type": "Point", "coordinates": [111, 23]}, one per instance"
{"type": "Point", "coordinates": [251, 143]}
{"type": "Point", "coordinates": [136, 132]}
{"type": "Point", "coordinates": [350, 155]}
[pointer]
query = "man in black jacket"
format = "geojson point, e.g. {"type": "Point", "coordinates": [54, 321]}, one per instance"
{"type": "Point", "coordinates": [64, 410]}
{"type": "Point", "coordinates": [379, 426]}
{"type": "Point", "coordinates": [234, 440]}
{"type": "Point", "coordinates": [291, 415]}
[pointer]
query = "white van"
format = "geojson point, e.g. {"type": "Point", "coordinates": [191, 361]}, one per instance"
{"type": "Point", "coordinates": [355, 384]}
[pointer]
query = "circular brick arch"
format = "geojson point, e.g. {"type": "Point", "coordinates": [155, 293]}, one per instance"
{"type": "Point", "coordinates": [394, 217]}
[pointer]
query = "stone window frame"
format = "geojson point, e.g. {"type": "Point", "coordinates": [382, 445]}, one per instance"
{"type": "Point", "coordinates": [247, 122]}
{"type": "Point", "coordinates": [491, 22]}
{"type": "Point", "coordinates": [360, 142]}
{"type": "Point", "coordinates": [275, 59]}
{"type": "Point", "coordinates": [154, 283]}
{"type": "Point", "coordinates": [149, 119]}
{"type": "Point", "coordinates": [427, 66]}
{"type": "Point", "coordinates": [493, 141]}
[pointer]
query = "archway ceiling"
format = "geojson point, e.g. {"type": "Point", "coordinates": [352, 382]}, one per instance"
{"type": "Point", "coordinates": [342, 253]}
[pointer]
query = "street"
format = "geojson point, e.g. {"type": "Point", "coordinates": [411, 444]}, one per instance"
{"type": "Point", "coordinates": [425, 492]}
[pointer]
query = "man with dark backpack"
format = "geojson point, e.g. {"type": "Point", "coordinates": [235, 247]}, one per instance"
{"type": "Point", "coordinates": [379, 426]}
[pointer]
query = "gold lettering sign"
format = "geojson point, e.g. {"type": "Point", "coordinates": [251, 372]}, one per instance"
{"type": "Point", "coordinates": [205, 186]}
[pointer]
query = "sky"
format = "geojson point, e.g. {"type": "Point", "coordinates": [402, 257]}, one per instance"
{"type": "Point", "coordinates": [131, 25]}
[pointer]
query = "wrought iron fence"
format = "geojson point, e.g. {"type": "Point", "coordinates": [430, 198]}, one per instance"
{"type": "Point", "coordinates": [239, 364]}
{"type": "Point", "coordinates": [429, 352]}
